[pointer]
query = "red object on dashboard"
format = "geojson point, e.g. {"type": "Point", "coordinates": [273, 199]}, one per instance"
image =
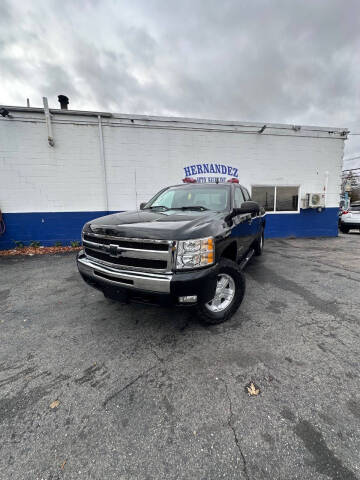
{"type": "Point", "coordinates": [233, 180]}
{"type": "Point", "coordinates": [189, 180]}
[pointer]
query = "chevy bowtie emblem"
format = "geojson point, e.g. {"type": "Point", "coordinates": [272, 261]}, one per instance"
{"type": "Point", "coordinates": [114, 251]}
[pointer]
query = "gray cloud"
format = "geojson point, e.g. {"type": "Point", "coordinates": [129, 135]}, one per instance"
{"type": "Point", "coordinates": [5, 15]}
{"type": "Point", "coordinates": [258, 60]}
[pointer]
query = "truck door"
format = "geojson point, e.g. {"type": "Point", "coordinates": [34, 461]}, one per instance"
{"type": "Point", "coordinates": [242, 224]}
{"type": "Point", "coordinates": [255, 222]}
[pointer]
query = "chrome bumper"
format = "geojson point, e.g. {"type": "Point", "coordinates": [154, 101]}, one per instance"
{"type": "Point", "coordinates": [150, 282]}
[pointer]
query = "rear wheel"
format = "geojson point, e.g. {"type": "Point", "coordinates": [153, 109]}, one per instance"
{"type": "Point", "coordinates": [230, 290]}
{"type": "Point", "coordinates": [259, 244]}
{"type": "Point", "coordinates": [344, 229]}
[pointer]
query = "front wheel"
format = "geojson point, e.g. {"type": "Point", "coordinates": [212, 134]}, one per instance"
{"type": "Point", "coordinates": [344, 229]}
{"type": "Point", "coordinates": [229, 294]}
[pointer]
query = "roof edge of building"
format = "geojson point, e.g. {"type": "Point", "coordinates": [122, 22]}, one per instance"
{"type": "Point", "coordinates": [172, 119]}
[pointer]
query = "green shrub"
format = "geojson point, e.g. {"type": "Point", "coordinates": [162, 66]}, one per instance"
{"type": "Point", "coordinates": [35, 244]}
{"type": "Point", "coordinates": [75, 243]}
{"type": "Point", "coordinates": [58, 244]}
{"type": "Point", "coordinates": [18, 244]}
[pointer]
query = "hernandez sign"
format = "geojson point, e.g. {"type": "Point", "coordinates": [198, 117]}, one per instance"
{"type": "Point", "coordinates": [211, 172]}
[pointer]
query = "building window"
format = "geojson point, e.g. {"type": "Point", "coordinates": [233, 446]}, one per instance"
{"type": "Point", "coordinates": [264, 196]}
{"type": "Point", "coordinates": [287, 199]}
{"type": "Point", "coordinates": [277, 198]}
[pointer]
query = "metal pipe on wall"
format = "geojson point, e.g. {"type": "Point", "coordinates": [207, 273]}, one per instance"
{"type": "Point", "coordinates": [48, 122]}
{"type": "Point", "coordinates": [326, 183]}
{"type": "Point", "coordinates": [103, 164]}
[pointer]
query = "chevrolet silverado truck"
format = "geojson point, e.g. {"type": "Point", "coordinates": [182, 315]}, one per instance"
{"type": "Point", "coordinates": [186, 246]}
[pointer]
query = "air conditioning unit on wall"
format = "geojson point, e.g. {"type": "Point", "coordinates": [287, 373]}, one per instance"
{"type": "Point", "coordinates": [314, 200]}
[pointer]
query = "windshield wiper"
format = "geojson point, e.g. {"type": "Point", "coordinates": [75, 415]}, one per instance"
{"type": "Point", "coordinates": [192, 207]}
{"type": "Point", "coordinates": [157, 206]}
{"type": "Point", "coordinates": [152, 207]}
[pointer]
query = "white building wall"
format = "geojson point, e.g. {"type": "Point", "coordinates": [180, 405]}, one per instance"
{"type": "Point", "coordinates": [35, 177]}
{"type": "Point", "coordinates": [147, 154]}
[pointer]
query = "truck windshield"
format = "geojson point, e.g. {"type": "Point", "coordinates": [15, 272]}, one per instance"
{"type": "Point", "coordinates": [212, 197]}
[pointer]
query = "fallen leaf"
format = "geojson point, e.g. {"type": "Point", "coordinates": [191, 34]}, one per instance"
{"type": "Point", "coordinates": [55, 404]}
{"type": "Point", "coordinates": [62, 466]}
{"type": "Point", "coordinates": [252, 389]}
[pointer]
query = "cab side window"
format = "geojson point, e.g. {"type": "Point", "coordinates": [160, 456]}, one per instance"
{"type": "Point", "coordinates": [238, 198]}
{"type": "Point", "coordinates": [246, 194]}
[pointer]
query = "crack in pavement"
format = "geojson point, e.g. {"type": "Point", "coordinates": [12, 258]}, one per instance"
{"type": "Point", "coordinates": [159, 359]}
{"type": "Point", "coordinates": [231, 426]}
{"type": "Point", "coordinates": [134, 380]}
{"type": "Point", "coordinates": [153, 350]}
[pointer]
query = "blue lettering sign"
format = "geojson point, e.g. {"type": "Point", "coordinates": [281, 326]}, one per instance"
{"type": "Point", "coordinates": [211, 168]}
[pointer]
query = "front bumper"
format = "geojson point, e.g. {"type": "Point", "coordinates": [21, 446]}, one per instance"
{"type": "Point", "coordinates": [351, 225]}
{"type": "Point", "coordinates": [128, 285]}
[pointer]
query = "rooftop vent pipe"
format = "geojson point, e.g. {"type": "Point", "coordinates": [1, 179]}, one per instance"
{"type": "Point", "coordinates": [64, 102]}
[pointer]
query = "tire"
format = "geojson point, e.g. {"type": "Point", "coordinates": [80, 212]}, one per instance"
{"type": "Point", "coordinates": [232, 278]}
{"type": "Point", "coordinates": [344, 229]}
{"type": "Point", "coordinates": [259, 244]}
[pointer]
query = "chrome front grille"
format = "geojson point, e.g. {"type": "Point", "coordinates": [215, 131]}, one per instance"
{"type": "Point", "coordinates": [138, 244]}
{"type": "Point", "coordinates": [130, 253]}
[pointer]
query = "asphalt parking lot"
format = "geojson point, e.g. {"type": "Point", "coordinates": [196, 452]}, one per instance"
{"type": "Point", "coordinates": [149, 393]}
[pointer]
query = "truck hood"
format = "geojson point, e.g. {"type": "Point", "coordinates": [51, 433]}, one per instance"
{"type": "Point", "coordinates": [160, 225]}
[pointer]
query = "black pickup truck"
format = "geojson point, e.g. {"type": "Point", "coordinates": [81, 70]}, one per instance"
{"type": "Point", "coordinates": [186, 246]}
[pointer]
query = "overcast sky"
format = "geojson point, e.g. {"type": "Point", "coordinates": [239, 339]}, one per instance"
{"type": "Point", "coordinates": [284, 61]}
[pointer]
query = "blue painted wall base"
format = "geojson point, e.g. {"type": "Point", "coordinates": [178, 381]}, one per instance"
{"type": "Point", "coordinates": [50, 227]}
{"type": "Point", "coordinates": [307, 223]}
{"type": "Point", "coordinates": [45, 227]}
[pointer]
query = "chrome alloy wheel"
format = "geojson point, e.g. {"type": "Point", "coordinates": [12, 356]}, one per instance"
{"type": "Point", "coordinates": [224, 294]}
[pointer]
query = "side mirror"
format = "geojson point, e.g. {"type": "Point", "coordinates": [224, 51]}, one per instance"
{"type": "Point", "coordinates": [247, 207]}
{"type": "Point", "coordinates": [142, 205]}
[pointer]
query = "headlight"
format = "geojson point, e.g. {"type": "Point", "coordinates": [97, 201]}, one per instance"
{"type": "Point", "coordinates": [86, 228]}
{"type": "Point", "coordinates": [195, 253]}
